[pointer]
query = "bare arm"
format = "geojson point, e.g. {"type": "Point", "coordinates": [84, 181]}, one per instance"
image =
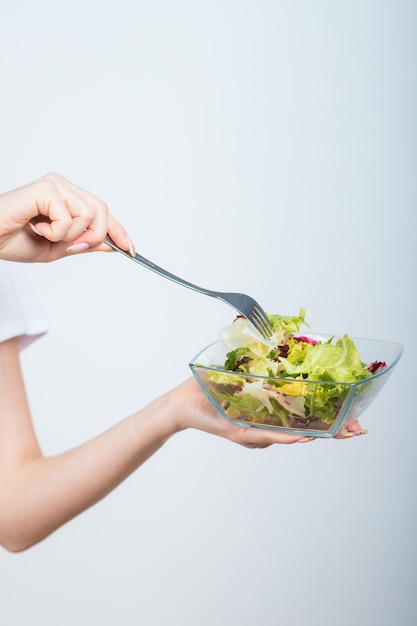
{"type": "Point", "coordinates": [38, 494]}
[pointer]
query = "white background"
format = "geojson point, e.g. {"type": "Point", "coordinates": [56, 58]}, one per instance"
{"type": "Point", "coordinates": [267, 147]}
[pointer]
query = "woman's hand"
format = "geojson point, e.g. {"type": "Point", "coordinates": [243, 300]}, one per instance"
{"type": "Point", "coordinates": [193, 410]}
{"type": "Point", "coordinates": [52, 218]}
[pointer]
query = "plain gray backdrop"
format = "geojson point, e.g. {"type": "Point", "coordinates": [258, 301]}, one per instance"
{"type": "Point", "coordinates": [267, 147]}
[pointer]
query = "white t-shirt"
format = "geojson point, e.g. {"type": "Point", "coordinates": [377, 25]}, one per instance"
{"type": "Point", "coordinates": [20, 315]}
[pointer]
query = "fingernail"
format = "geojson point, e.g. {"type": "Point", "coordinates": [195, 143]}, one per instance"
{"type": "Point", "coordinates": [306, 439]}
{"type": "Point", "coordinates": [78, 247]}
{"type": "Point", "coordinates": [361, 432]}
{"type": "Point", "coordinates": [35, 230]}
{"type": "Point", "coordinates": [131, 247]}
{"type": "Point", "coordinates": [347, 435]}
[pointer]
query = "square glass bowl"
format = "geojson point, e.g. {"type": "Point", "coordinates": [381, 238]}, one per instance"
{"type": "Point", "coordinates": [306, 407]}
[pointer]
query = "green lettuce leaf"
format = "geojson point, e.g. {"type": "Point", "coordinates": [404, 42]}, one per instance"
{"type": "Point", "coordinates": [338, 362]}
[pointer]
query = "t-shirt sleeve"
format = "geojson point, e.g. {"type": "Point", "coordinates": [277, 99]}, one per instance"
{"type": "Point", "coordinates": [20, 314]}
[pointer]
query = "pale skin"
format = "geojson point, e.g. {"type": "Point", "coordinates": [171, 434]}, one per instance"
{"type": "Point", "coordinates": [52, 218]}
{"type": "Point", "coordinates": [38, 494]}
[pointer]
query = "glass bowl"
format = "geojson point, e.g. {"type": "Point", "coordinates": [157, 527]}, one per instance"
{"type": "Point", "coordinates": [294, 406]}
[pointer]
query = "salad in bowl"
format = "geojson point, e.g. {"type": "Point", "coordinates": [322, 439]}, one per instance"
{"type": "Point", "coordinates": [297, 382]}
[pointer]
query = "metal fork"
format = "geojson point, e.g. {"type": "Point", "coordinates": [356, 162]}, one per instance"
{"type": "Point", "coordinates": [245, 305]}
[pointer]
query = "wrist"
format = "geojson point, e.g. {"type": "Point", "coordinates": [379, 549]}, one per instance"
{"type": "Point", "coordinates": [158, 420]}
{"type": "Point", "coordinates": [191, 408]}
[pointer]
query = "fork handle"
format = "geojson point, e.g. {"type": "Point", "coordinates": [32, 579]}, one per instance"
{"type": "Point", "coordinates": [159, 270]}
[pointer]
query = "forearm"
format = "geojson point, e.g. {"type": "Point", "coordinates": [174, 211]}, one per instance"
{"type": "Point", "coordinates": [38, 494]}
{"type": "Point", "coordinates": [44, 493]}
